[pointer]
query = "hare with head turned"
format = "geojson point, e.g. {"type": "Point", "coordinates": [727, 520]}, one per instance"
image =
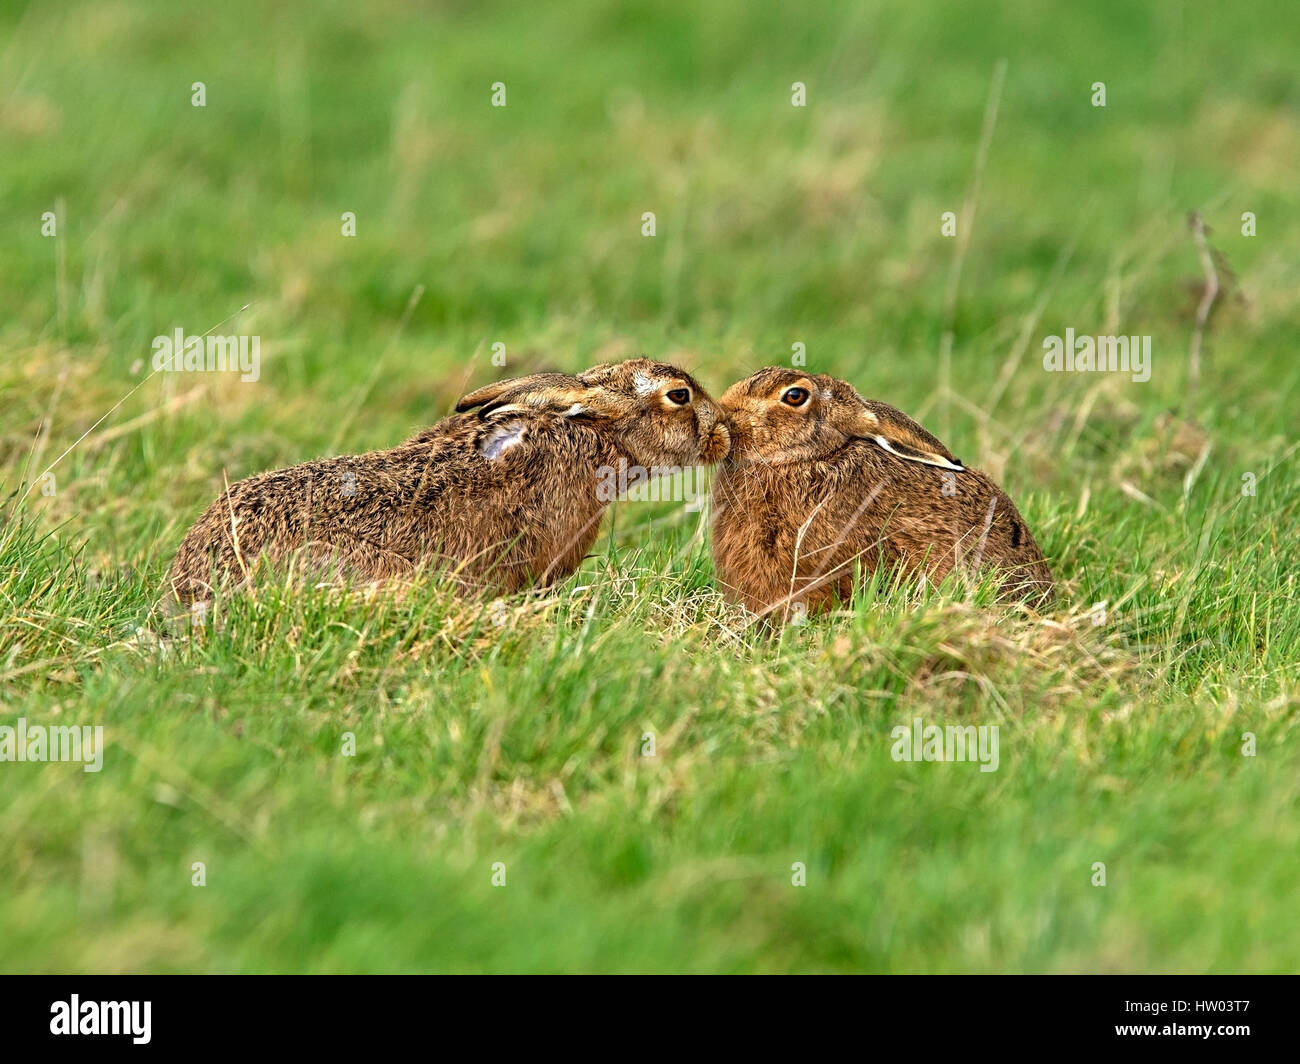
{"type": "Point", "coordinates": [502, 495]}
{"type": "Point", "coordinates": [820, 481]}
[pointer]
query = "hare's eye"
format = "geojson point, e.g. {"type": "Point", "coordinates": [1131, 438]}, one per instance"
{"type": "Point", "coordinates": [680, 396]}
{"type": "Point", "coordinates": [795, 396]}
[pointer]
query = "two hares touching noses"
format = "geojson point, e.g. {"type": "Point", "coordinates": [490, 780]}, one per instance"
{"type": "Point", "coordinates": [817, 485]}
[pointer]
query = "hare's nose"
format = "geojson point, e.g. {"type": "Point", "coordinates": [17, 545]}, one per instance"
{"type": "Point", "coordinates": [718, 445]}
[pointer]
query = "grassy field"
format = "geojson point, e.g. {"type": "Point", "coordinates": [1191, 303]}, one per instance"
{"type": "Point", "coordinates": [520, 744]}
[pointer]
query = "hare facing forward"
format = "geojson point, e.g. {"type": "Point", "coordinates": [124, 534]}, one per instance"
{"type": "Point", "coordinates": [820, 481]}
{"type": "Point", "coordinates": [502, 498]}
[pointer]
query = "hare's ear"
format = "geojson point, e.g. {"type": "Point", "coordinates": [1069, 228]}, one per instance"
{"type": "Point", "coordinates": [588, 403]}
{"type": "Point", "coordinates": [552, 393]}
{"type": "Point", "coordinates": [519, 389]}
{"type": "Point", "coordinates": [895, 432]}
{"type": "Point", "coordinates": [917, 454]}
{"type": "Point", "coordinates": [482, 395]}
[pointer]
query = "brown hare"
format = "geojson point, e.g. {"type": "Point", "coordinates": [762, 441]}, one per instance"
{"type": "Point", "coordinates": [820, 480]}
{"type": "Point", "coordinates": [502, 498]}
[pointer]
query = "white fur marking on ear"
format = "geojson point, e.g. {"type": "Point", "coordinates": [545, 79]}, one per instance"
{"type": "Point", "coordinates": [927, 458]}
{"type": "Point", "coordinates": [501, 438]}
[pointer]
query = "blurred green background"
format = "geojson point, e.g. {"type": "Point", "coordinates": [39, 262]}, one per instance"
{"type": "Point", "coordinates": [775, 225]}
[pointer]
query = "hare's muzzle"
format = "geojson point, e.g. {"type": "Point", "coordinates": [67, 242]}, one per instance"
{"type": "Point", "coordinates": [739, 423]}
{"type": "Point", "coordinates": [716, 444]}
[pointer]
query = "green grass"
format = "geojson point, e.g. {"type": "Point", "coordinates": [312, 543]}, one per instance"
{"type": "Point", "coordinates": [521, 743]}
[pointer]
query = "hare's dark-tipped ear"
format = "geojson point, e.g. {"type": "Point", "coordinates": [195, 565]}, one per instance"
{"type": "Point", "coordinates": [517, 387]}
{"type": "Point", "coordinates": [895, 432]}
{"type": "Point", "coordinates": [551, 393]}
{"type": "Point", "coordinates": [903, 449]}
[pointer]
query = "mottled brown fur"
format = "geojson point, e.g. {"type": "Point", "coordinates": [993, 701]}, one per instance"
{"type": "Point", "coordinates": [807, 493]}
{"type": "Point", "coordinates": [503, 497]}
